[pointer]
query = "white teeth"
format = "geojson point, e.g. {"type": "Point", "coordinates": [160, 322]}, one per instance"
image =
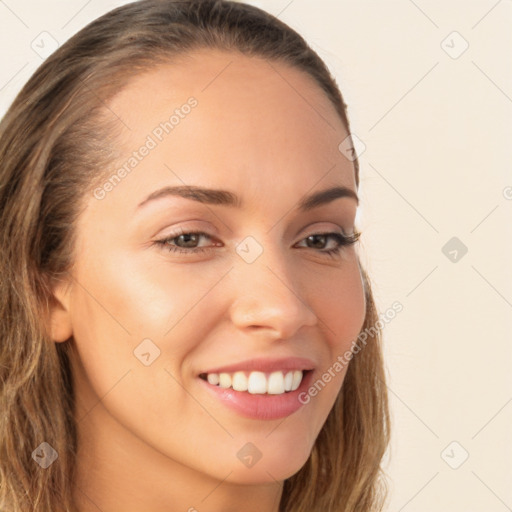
{"type": "Point", "coordinates": [257, 383]}
{"type": "Point", "coordinates": [297, 379]}
{"type": "Point", "coordinates": [239, 381]}
{"type": "Point", "coordinates": [276, 383]}
{"type": "Point", "coordinates": [213, 378]}
{"type": "Point", "coordinates": [225, 380]}
{"type": "Point", "coordinates": [288, 379]}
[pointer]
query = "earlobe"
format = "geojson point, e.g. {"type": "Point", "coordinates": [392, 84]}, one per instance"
{"type": "Point", "coordinates": [61, 328]}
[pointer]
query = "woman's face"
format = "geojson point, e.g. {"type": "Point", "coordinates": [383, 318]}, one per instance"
{"type": "Point", "coordinates": [157, 324]}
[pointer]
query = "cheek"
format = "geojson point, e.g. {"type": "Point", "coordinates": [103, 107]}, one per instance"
{"type": "Point", "coordinates": [121, 307]}
{"type": "Point", "coordinates": [341, 306]}
{"type": "Point", "coordinates": [126, 302]}
{"type": "Point", "coordinates": [133, 297]}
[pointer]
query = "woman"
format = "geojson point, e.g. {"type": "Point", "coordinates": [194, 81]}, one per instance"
{"type": "Point", "coordinates": [185, 321]}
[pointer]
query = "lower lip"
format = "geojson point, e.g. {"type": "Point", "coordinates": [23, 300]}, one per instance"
{"type": "Point", "coordinates": [260, 406]}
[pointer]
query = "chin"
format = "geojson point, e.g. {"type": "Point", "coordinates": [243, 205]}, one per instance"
{"type": "Point", "coordinates": [277, 466]}
{"type": "Point", "coordinates": [269, 474]}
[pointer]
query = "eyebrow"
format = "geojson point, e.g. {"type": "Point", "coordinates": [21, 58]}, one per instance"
{"type": "Point", "coordinates": [227, 198]}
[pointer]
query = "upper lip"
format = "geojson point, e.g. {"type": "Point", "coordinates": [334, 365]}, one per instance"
{"type": "Point", "coordinates": [265, 365]}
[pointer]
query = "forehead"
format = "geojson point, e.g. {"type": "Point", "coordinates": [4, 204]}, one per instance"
{"type": "Point", "coordinates": [254, 123]}
{"type": "Point", "coordinates": [227, 76]}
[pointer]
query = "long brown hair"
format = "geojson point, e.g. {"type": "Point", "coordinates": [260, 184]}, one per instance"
{"type": "Point", "coordinates": [55, 138]}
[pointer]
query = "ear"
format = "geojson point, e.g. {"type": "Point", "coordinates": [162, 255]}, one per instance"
{"type": "Point", "coordinates": [60, 313]}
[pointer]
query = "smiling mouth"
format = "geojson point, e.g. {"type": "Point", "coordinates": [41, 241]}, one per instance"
{"type": "Point", "coordinates": [256, 382]}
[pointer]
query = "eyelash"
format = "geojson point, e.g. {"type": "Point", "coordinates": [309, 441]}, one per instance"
{"type": "Point", "coordinates": [342, 241]}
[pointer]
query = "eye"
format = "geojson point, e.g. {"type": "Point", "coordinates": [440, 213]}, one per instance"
{"type": "Point", "coordinates": [185, 242]}
{"type": "Point", "coordinates": [341, 240]}
{"type": "Point", "coordinates": [188, 239]}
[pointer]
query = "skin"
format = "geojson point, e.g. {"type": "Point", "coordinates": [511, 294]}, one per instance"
{"type": "Point", "coordinates": [150, 437]}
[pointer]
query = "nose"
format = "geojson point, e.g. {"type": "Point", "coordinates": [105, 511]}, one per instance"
{"type": "Point", "coordinates": [269, 296]}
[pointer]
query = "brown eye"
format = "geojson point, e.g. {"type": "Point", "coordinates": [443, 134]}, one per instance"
{"type": "Point", "coordinates": [185, 242]}
{"type": "Point", "coordinates": [340, 239]}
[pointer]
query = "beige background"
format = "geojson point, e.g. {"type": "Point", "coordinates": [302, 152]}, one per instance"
{"type": "Point", "coordinates": [437, 164]}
